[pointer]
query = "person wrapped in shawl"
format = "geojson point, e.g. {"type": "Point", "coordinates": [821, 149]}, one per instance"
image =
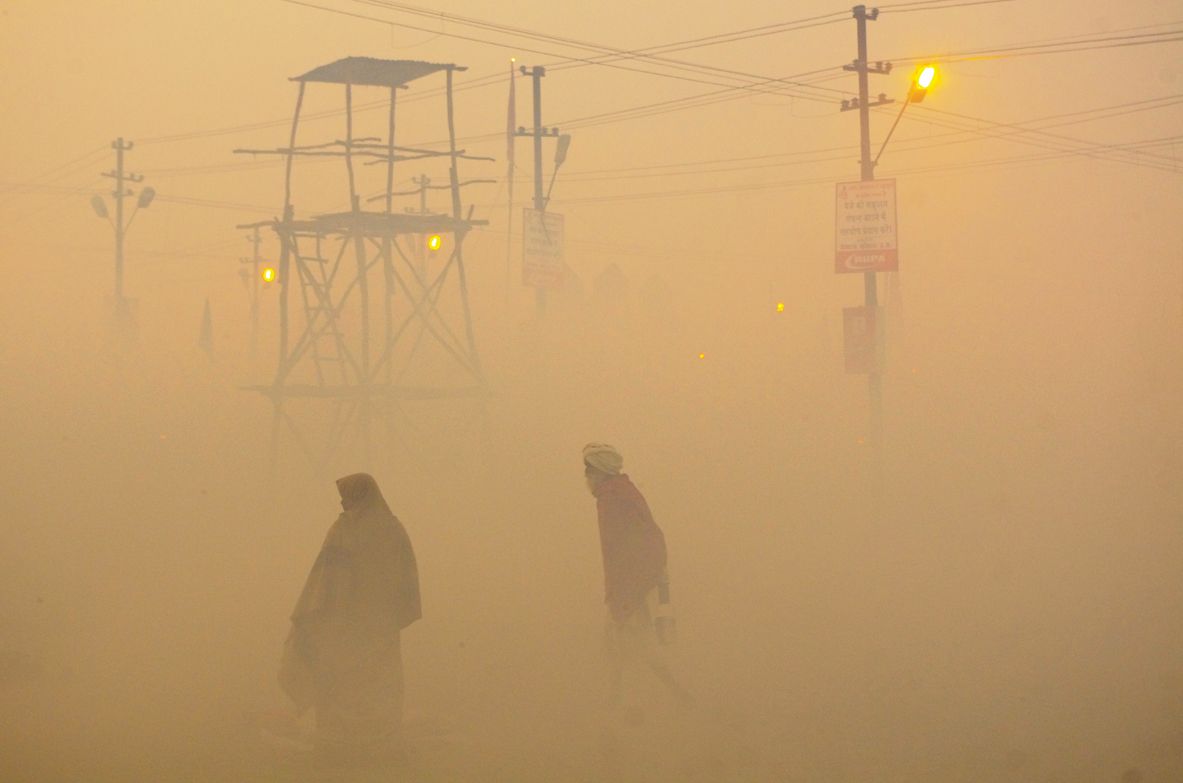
{"type": "Point", "coordinates": [343, 657]}
{"type": "Point", "coordinates": [634, 556]}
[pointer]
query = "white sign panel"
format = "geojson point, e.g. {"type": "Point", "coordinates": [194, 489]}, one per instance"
{"type": "Point", "coordinates": [865, 227]}
{"type": "Point", "coordinates": [542, 249]}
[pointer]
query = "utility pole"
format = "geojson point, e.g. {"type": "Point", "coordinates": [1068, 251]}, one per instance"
{"type": "Point", "coordinates": [253, 289]}
{"type": "Point", "coordinates": [122, 311]}
{"type": "Point", "coordinates": [867, 172]}
{"type": "Point", "coordinates": [538, 132]}
{"type": "Point", "coordinates": [537, 72]}
{"type": "Point", "coordinates": [424, 182]}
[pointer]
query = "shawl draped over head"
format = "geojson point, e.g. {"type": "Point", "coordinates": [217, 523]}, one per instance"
{"type": "Point", "coordinates": [633, 545]}
{"type": "Point", "coordinates": [603, 457]}
{"type": "Point", "coordinates": [362, 590]}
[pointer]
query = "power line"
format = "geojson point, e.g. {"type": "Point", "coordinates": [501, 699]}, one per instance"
{"type": "Point", "coordinates": [656, 109]}
{"type": "Point", "coordinates": [69, 168]}
{"type": "Point", "coordinates": [634, 113]}
{"type": "Point", "coordinates": [470, 84]}
{"type": "Point", "coordinates": [660, 169]}
{"type": "Point", "coordinates": [574, 62]}
{"type": "Point", "coordinates": [1075, 45]}
{"type": "Point", "coordinates": [898, 9]}
{"type": "Point", "coordinates": [788, 184]}
{"type": "Point", "coordinates": [637, 112]}
{"type": "Point", "coordinates": [1134, 107]}
{"type": "Point", "coordinates": [81, 161]}
{"type": "Point", "coordinates": [664, 251]}
{"type": "Point", "coordinates": [215, 204]}
{"type": "Point", "coordinates": [955, 131]}
{"type": "Point", "coordinates": [607, 62]}
{"type": "Point", "coordinates": [524, 32]}
{"type": "Point", "coordinates": [1056, 142]}
{"type": "Point", "coordinates": [1016, 128]}
{"type": "Point", "coordinates": [652, 54]}
{"type": "Point", "coordinates": [24, 186]}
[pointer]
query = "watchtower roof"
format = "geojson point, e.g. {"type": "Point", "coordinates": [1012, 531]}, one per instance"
{"type": "Point", "coordinates": [373, 71]}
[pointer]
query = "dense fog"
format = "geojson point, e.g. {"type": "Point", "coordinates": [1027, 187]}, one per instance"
{"type": "Point", "coordinates": [992, 593]}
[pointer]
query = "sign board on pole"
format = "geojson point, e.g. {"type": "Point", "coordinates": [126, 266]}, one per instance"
{"type": "Point", "coordinates": [862, 333]}
{"type": "Point", "coordinates": [865, 227]}
{"type": "Point", "coordinates": [542, 249]}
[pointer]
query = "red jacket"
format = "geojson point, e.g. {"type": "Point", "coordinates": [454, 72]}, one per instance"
{"type": "Point", "coordinates": [633, 545]}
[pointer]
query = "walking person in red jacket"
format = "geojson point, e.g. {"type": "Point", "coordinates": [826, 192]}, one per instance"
{"type": "Point", "coordinates": [636, 585]}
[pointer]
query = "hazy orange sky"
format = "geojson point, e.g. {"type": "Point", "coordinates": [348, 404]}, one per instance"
{"type": "Point", "coordinates": [82, 74]}
{"type": "Point", "coordinates": [1013, 605]}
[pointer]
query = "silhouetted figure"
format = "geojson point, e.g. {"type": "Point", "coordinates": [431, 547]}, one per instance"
{"type": "Point", "coordinates": [343, 656]}
{"type": "Point", "coordinates": [635, 580]}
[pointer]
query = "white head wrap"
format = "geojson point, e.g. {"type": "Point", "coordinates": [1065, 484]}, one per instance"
{"type": "Point", "coordinates": [603, 457]}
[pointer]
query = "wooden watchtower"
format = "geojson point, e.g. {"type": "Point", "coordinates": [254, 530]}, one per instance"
{"type": "Point", "coordinates": [359, 307]}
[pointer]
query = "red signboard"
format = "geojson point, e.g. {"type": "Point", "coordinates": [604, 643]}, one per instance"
{"type": "Point", "coordinates": [865, 227]}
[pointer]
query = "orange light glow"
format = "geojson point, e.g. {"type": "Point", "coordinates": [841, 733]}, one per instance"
{"type": "Point", "coordinates": [435, 242]}
{"type": "Point", "coordinates": [780, 307]}
{"type": "Point", "coordinates": [268, 274]}
{"type": "Point", "coordinates": [702, 356]}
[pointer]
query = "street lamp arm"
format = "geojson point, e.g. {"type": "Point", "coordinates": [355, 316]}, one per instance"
{"type": "Point", "coordinates": [546, 199]}
{"type": "Point", "coordinates": [897, 122]}
{"type": "Point", "coordinates": [136, 211]}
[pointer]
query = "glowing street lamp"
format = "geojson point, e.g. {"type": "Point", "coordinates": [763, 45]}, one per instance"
{"type": "Point", "coordinates": [435, 242]}
{"type": "Point", "coordinates": [924, 78]}
{"type": "Point", "coordinates": [920, 84]}
{"type": "Point", "coordinates": [268, 274]}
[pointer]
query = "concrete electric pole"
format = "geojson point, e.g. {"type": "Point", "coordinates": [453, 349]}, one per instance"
{"type": "Point", "coordinates": [124, 319]}
{"type": "Point", "coordinates": [867, 173]}
{"type": "Point", "coordinates": [538, 132]}
{"type": "Point", "coordinates": [253, 287]}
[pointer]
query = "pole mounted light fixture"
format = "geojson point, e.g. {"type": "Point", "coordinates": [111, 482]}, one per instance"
{"type": "Point", "coordinates": [921, 81]}
{"type": "Point", "coordinates": [561, 149]}
{"type": "Point", "coordinates": [146, 196]}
